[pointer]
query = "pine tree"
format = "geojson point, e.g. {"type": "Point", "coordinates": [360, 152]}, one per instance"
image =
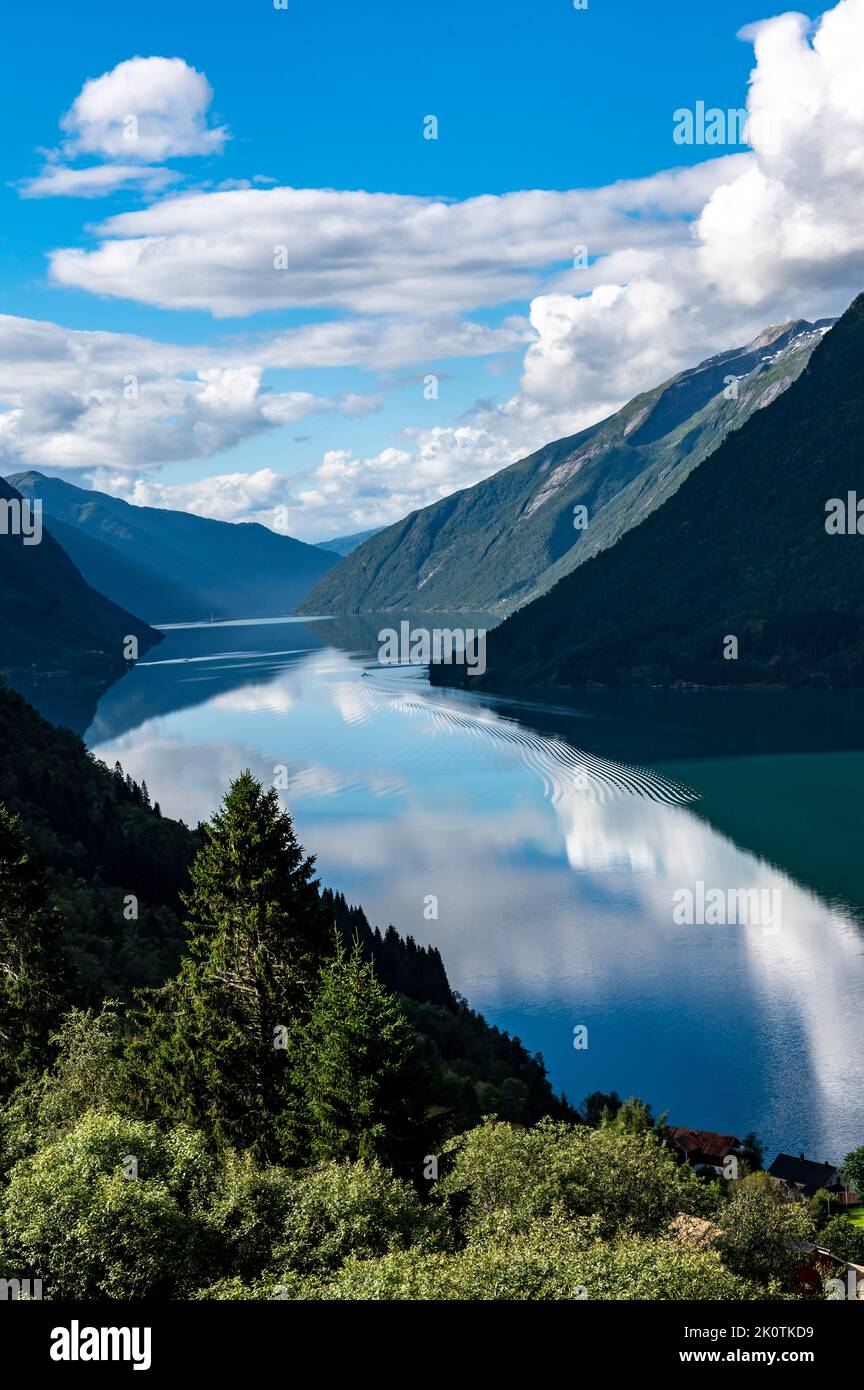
{"type": "Point", "coordinates": [253, 889]}
{"type": "Point", "coordinates": [218, 1045]}
{"type": "Point", "coordinates": [34, 975]}
{"type": "Point", "coordinates": [364, 1086]}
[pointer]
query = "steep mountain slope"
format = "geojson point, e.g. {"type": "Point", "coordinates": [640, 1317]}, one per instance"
{"type": "Point", "coordinates": [173, 566]}
{"type": "Point", "coordinates": [98, 839]}
{"type": "Point", "coordinates": [501, 543]}
{"type": "Point", "coordinates": [742, 550]}
{"type": "Point", "coordinates": [53, 625]}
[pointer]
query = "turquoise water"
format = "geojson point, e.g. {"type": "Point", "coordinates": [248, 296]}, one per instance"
{"type": "Point", "coordinates": [541, 847]}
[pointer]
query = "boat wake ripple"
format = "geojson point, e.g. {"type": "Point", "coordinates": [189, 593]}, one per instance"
{"type": "Point", "coordinates": [562, 768]}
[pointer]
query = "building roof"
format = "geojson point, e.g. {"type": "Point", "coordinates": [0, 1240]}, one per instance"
{"type": "Point", "coordinates": [703, 1145]}
{"type": "Point", "coordinates": [803, 1173]}
{"type": "Point", "coordinates": [694, 1230]}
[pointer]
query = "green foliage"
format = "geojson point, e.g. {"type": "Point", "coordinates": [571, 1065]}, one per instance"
{"type": "Point", "coordinates": [363, 1085]}
{"type": "Point", "coordinates": [755, 1162]}
{"type": "Point", "coordinates": [272, 1230]}
{"type": "Point", "coordinates": [248, 1215]}
{"type": "Point", "coordinates": [820, 1207]}
{"type": "Point", "coordinates": [232, 1289]}
{"type": "Point", "coordinates": [760, 1227]}
{"type": "Point", "coordinates": [99, 844]}
{"type": "Point", "coordinates": [852, 1170]}
{"type": "Point", "coordinates": [633, 1116]}
{"type": "Point", "coordinates": [548, 1261]}
{"type": "Point", "coordinates": [254, 905]}
{"type": "Point", "coordinates": [479, 1070]}
{"type": "Point", "coordinates": [34, 977]}
{"type": "Point", "coordinates": [86, 1076]}
{"type": "Point", "coordinates": [630, 1182]}
{"type": "Point", "coordinates": [71, 1216]}
{"type": "Point", "coordinates": [400, 964]}
{"type": "Point", "coordinates": [557, 1212]}
{"type": "Point", "coordinates": [600, 1107]}
{"type": "Point", "coordinates": [843, 1239]}
{"type": "Point", "coordinates": [337, 1211]}
{"type": "Point", "coordinates": [218, 1045]}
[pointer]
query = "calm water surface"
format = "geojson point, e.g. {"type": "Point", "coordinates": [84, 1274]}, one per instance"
{"type": "Point", "coordinates": [553, 839]}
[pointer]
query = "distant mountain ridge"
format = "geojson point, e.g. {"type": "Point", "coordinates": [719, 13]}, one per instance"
{"type": "Point", "coordinates": [506, 540]}
{"type": "Point", "coordinates": [343, 545]}
{"type": "Point", "coordinates": [175, 566]}
{"type": "Point", "coordinates": [743, 554]}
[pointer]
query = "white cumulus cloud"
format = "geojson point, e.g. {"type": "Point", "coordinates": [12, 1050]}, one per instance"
{"type": "Point", "coordinates": [124, 422]}
{"type": "Point", "coordinates": [146, 109]}
{"type": "Point", "coordinates": [85, 400]}
{"type": "Point", "coordinates": [143, 111]}
{"type": "Point", "coordinates": [683, 264]}
{"type": "Point", "coordinates": [781, 238]}
{"type": "Point", "coordinates": [244, 250]}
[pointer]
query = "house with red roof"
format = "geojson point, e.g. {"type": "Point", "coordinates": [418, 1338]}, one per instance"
{"type": "Point", "coordinates": [704, 1148]}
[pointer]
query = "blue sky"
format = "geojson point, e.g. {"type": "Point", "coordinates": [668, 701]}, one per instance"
{"type": "Point", "coordinates": [540, 97]}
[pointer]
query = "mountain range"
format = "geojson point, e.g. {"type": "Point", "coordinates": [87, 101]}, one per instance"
{"type": "Point", "coordinates": [703, 520]}
{"type": "Point", "coordinates": [510, 538]}
{"type": "Point", "coordinates": [54, 627]}
{"type": "Point", "coordinates": [751, 574]}
{"type": "Point", "coordinates": [173, 566]}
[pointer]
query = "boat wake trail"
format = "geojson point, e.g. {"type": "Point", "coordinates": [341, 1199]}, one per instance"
{"type": "Point", "coordinates": [562, 768]}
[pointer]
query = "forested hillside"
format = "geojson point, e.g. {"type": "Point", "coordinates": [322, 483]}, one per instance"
{"type": "Point", "coordinates": [54, 628]}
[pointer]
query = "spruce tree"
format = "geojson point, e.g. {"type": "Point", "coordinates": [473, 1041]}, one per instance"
{"type": "Point", "coordinates": [218, 1045]}
{"type": "Point", "coordinates": [364, 1086]}
{"type": "Point", "coordinates": [34, 974]}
